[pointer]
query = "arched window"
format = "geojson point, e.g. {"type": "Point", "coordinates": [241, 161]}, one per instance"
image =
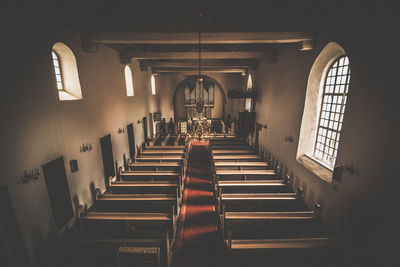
{"type": "Point", "coordinates": [153, 85]}
{"type": "Point", "coordinates": [334, 99]}
{"type": "Point", "coordinates": [128, 81]}
{"type": "Point", "coordinates": [321, 125]}
{"type": "Point", "coordinates": [57, 70]}
{"type": "Point", "coordinates": [66, 73]}
{"type": "Point", "coordinates": [248, 100]}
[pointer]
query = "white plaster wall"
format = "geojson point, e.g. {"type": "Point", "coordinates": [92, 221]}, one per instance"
{"type": "Point", "coordinates": [38, 128]}
{"type": "Point", "coordinates": [366, 140]}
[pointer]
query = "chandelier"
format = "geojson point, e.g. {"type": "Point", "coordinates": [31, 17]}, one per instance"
{"type": "Point", "coordinates": [199, 101]}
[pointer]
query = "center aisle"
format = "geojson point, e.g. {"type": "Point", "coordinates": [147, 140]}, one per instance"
{"type": "Point", "coordinates": [198, 239]}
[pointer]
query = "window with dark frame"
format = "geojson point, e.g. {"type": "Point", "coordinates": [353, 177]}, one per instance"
{"type": "Point", "coordinates": [57, 70]}
{"type": "Point", "coordinates": [332, 110]}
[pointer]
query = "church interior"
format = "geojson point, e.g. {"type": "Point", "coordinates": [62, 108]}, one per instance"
{"type": "Point", "coordinates": [198, 133]}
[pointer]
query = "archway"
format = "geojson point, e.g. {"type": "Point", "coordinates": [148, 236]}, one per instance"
{"type": "Point", "coordinates": [178, 98]}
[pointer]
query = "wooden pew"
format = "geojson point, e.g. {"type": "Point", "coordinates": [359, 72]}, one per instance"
{"type": "Point", "coordinates": [231, 146]}
{"type": "Point", "coordinates": [221, 165]}
{"type": "Point", "coordinates": [138, 202]}
{"type": "Point", "coordinates": [233, 152]}
{"type": "Point", "coordinates": [260, 201]}
{"type": "Point", "coordinates": [155, 166]}
{"type": "Point", "coordinates": [167, 147]}
{"type": "Point", "coordinates": [276, 223]}
{"type": "Point", "coordinates": [252, 186]}
{"type": "Point", "coordinates": [301, 251]}
{"type": "Point", "coordinates": [245, 174]}
{"type": "Point", "coordinates": [110, 230]}
{"type": "Point", "coordinates": [166, 187]}
{"type": "Point", "coordinates": [165, 152]}
{"type": "Point", "coordinates": [237, 158]}
{"type": "Point", "coordinates": [151, 176]}
{"type": "Point", "coordinates": [225, 137]}
{"type": "Point", "coordinates": [159, 158]}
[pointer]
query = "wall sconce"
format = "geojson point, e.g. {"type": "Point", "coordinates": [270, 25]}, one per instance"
{"type": "Point", "coordinates": [261, 126]}
{"type": "Point", "coordinates": [344, 167]}
{"type": "Point", "coordinates": [289, 138]}
{"type": "Point", "coordinates": [139, 121]}
{"type": "Point", "coordinates": [86, 147]}
{"type": "Point", "coordinates": [121, 130]}
{"type": "Point", "coordinates": [26, 177]}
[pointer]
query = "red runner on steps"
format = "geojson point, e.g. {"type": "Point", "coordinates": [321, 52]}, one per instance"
{"type": "Point", "coordinates": [198, 239]}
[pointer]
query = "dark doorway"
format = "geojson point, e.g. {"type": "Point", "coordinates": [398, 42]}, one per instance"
{"type": "Point", "coordinates": [58, 191]}
{"type": "Point", "coordinates": [131, 140]}
{"type": "Point", "coordinates": [146, 139]}
{"type": "Point", "coordinates": [108, 158]}
{"type": "Point", "coordinates": [12, 248]}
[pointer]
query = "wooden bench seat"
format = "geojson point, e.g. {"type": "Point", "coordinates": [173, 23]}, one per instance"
{"type": "Point", "coordinates": [241, 164]}
{"type": "Point", "coordinates": [285, 244]}
{"type": "Point", "coordinates": [166, 147]}
{"type": "Point", "coordinates": [156, 166]}
{"type": "Point", "coordinates": [138, 202]}
{"type": "Point", "coordinates": [258, 196]}
{"type": "Point", "coordinates": [231, 146]}
{"type": "Point", "coordinates": [252, 186]}
{"type": "Point", "coordinates": [103, 251]}
{"type": "Point", "coordinates": [244, 174]}
{"type": "Point", "coordinates": [237, 158]}
{"type": "Point", "coordinates": [278, 223]}
{"type": "Point", "coordinates": [151, 176]}
{"type": "Point", "coordinates": [163, 152]}
{"type": "Point", "coordinates": [233, 151]}
{"type": "Point", "coordinates": [159, 158]}
{"type": "Point", "coordinates": [260, 202]}
{"type": "Point", "coordinates": [278, 215]}
{"type": "Point", "coordinates": [144, 187]}
{"type": "Point", "coordinates": [126, 216]}
{"type": "Point", "coordinates": [136, 197]}
{"type": "Point", "coordinates": [246, 165]}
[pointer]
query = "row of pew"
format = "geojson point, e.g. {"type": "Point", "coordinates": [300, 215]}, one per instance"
{"type": "Point", "coordinates": [168, 139]}
{"type": "Point", "coordinates": [133, 223]}
{"type": "Point", "coordinates": [263, 220]}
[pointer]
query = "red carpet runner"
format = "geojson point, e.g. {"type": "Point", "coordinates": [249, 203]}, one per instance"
{"type": "Point", "coordinates": [198, 240]}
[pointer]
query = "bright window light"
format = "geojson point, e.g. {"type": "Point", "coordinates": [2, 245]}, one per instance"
{"type": "Point", "coordinates": [129, 82]}
{"type": "Point", "coordinates": [57, 70]}
{"type": "Point", "coordinates": [332, 111]}
{"type": "Point", "coordinates": [153, 85]}
{"type": "Point", "coordinates": [247, 105]}
{"type": "Point", "coordinates": [249, 82]}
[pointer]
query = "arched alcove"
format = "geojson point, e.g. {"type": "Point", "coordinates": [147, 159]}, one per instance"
{"type": "Point", "coordinates": [312, 107]}
{"type": "Point", "coordinates": [178, 98]}
{"type": "Point", "coordinates": [71, 89]}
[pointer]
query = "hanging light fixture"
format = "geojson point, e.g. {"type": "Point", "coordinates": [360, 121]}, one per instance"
{"type": "Point", "coordinates": [199, 100]}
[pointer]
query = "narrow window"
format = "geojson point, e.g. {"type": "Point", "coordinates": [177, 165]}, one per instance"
{"type": "Point", "coordinates": [248, 100]}
{"type": "Point", "coordinates": [66, 73]}
{"type": "Point", "coordinates": [57, 70]}
{"type": "Point", "coordinates": [333, 104]}
{"type": "Point", "coordinates": [128, 81]}
{"type": "Point", "coordinates": [153, 85]}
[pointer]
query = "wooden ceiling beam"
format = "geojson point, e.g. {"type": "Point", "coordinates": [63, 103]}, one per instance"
{"type": "Point", "coordinates": [145, 64]}
{"type": "Point", "coordinates": [195, 71]}
{"type": "Point", "coordinates": [193, 38]}
{"type": "Point", "coordinates": [204, 55]}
